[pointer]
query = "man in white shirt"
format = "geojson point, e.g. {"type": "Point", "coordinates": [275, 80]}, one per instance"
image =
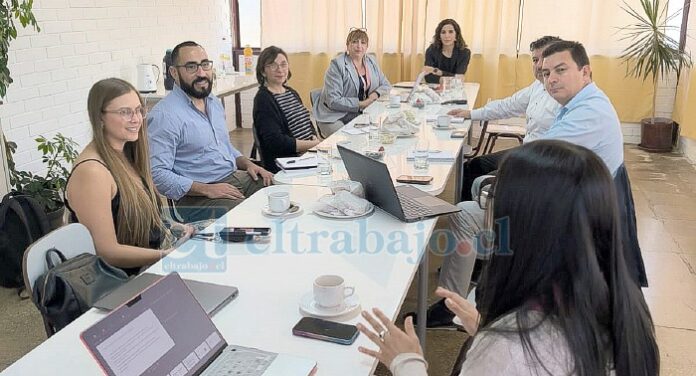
{"type": "Point", "coordinates": [540, 110]}
{"type": "Point", "coordinates": [533, 102]}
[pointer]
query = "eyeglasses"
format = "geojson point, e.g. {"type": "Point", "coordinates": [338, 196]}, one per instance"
{"type": "Point", "coordinates": [276, 66]}
{"type": "Point", "coordinates": [193, 67]}
{"type": "Point", "coordinates": [128, 113]}
{"type": "Point", "coordinates": [363, 29]}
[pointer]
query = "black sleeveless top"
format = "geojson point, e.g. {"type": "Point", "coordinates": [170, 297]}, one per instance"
{"type": "Point", "coordinates": [156, 235]}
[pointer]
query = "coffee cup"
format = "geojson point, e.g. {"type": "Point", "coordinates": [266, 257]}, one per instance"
{"type": "Point", "coordinates": [443, 121]}
{"type": "Point", "coordinates": [394, 100]}
{"type": "Point", "coordinates": [279, 202]}
{"type": "Point", "coordinates": [330, 292]}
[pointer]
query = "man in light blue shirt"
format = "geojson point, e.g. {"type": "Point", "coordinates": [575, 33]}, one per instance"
{"type": "Point", "coordinates": [192, 159]}
{"type": "Point", "coordinates": [587, 117]}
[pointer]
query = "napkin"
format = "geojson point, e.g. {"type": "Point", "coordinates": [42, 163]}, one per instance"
{"type": "Point", "coordinates": [436, 156]}
{"type": "Point", "coordinates": [343, 204]}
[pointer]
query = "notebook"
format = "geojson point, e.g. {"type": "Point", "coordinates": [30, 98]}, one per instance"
{"type": "Point", "coordinates": [164, 331]}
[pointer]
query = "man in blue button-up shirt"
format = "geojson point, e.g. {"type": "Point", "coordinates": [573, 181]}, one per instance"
{"type": "Point", "coordinates": [193, 161]}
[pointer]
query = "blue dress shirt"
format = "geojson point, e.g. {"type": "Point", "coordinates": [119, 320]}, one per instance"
{"type": "Point", "coordinates": [589, 120]}
{"type": "Point", "coordinates": [187, 145]}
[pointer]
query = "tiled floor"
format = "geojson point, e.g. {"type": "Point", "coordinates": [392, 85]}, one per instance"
{"type": "Point", "coordinates": [664, 189]}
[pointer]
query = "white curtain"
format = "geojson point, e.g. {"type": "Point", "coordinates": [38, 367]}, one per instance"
{"type": "Point", "coordinates": [315, 26]}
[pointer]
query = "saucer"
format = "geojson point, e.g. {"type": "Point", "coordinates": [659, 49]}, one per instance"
{"type": "Point", "coordinates": [310, 307]}
{"type": "Point", "coordinates": [294, 211]}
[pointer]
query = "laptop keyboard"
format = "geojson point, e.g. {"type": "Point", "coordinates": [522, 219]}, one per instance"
{"type": "Point", "coordinates": [240, 361]}
{"type": "Point", "coordinates": [411, 207]}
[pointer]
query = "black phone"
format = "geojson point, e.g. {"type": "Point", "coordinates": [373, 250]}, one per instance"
{"type": "Point", "coordinates": [414, 179]}
{"type": "Point", "coordinates": [324, 330]}
{"type": "Point", "coordinates": [242, 234]}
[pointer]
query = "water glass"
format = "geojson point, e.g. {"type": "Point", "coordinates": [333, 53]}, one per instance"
{"type": "Point", "coordinates": [324, 160]}
{"type": "Point", "coordinates": [420, 155]}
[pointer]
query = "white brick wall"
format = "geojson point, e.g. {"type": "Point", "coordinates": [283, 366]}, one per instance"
{"type": "Point", "coordinates": [83, 41]}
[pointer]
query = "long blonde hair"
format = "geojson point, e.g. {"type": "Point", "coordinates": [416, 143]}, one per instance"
{"type": "Point", "coordinates": [139, 209]}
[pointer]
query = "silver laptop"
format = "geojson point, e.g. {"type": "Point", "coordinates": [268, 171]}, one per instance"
{"type": "Point", "coordinates": [164, 331]}
{"type": "Point", "coordinates": [211, 296]}
{"type": "Point", "coordinates": [404, 202]}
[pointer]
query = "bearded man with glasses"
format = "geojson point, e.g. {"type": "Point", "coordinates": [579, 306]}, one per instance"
{"type": "Point", "coordinates": [193, 161]}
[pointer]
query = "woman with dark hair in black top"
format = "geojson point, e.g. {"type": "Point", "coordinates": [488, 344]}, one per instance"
{"type": "Point", "coordinates": [281, 122]}
{"type": "Point", "coordinates": [448, 54]}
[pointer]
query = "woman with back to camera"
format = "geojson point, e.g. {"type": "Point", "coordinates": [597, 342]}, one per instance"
{"type": "Point", "coordinates": [110, 189]}
{"type": "Point", "coordinates": [448, 54]}
{"type": "Point", "coordinates": [558, 300]}
{"type": "Point", "coordinates": [353, 81]}
{"type": "Point", "coordinates": [281, 121]}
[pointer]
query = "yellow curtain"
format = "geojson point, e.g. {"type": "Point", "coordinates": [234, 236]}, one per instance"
{"type": "Point", "coordinates": [401, 30]}
{"type": "Point", "coordinates": [685, 114]}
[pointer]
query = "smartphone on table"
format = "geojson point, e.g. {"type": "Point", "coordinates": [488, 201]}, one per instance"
{"type": "Point", "coordinates": [243, 234]}
{"type": "Point", "coordinates": [325, 330]}
{"type": "Point", "coordinates": [414, 179]}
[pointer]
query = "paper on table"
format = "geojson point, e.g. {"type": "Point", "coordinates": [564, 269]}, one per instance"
{"type": "Point", "coordinates": [444, 156]}
{"type": "Point", "coordinates": [297, 163]}
{"type": "Point", "coordinates": [453, 119]}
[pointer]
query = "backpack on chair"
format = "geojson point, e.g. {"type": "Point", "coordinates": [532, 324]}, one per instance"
{"type": "Point", "coordinates": [22, 222]}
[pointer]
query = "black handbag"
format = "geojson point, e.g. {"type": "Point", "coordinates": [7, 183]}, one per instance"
{"type": "Point", "coordinates": [70, 288]}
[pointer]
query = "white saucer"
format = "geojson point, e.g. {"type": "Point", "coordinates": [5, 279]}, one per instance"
{"type": "Point", "coordinates": [328, 215]}
{"type": "Point", "coordinates": [394, 105]}
{"type": "Point", "coordinates": [294, 211]}
{"type": "Point", "coordinates": [310, 307]}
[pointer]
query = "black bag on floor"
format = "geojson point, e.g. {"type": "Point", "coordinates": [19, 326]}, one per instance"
{"type": "Point", "coordinates": [68, 289]}
{"type": "Point", "coordinates": [22, 222]}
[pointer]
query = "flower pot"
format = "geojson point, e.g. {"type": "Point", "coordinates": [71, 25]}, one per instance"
{"type": "Point", "coordinates": [56, 218]}
{"type": "Point", "coordinates": [656, 134]}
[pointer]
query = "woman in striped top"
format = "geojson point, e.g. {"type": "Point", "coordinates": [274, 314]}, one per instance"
{"type": "Point", "coordinates": [281, 122]}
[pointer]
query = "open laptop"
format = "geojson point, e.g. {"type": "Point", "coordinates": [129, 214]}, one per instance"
{"type": "Point", "coordinates": [164, 331]}
{"type": "Point", "coordinates": [212, 297]}
{"type": "Point", "coordinates": [405, 202]}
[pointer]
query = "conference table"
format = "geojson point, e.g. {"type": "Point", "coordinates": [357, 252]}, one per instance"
{"type": "Point", "coordinates": [272, 277]}
{"type": "Point", "coordinates": [376, 254]}
{"type": "Point", "coordinates": [396, 154]}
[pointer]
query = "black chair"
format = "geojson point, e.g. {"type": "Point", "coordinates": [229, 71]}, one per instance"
{"type": "Point", "coordinates": [629, 232]}
{"type": "Point", "coordinates": [256, 150]}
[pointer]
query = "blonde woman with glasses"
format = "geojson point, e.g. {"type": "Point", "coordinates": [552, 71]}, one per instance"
{"type": "Point", "coordinates": [352, 82]}
{"type": "Point", "coordinates": [110, 189]}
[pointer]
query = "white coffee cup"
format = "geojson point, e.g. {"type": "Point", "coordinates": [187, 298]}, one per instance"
{"type": "Point", "coordinates": [395, 100]}
{"type": "Point", "coordinates": [443, 121]}
{"type": "Point", "coordinates": [331, 292]}
{"type": "Point", "coordinates": [279, 202]}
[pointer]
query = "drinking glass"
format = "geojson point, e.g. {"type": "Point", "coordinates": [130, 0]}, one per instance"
{"type": "Point", "coordinates": [324, 160]}
{"type": "Point", "coordinates": [420, 154]}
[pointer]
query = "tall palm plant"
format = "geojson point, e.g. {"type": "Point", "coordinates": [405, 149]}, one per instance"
{"type": "Point", "coordinates": [651, 53]}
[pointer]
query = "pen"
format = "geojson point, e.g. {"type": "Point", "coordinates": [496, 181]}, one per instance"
{"type": "Point", "coordinates": [300, 159]}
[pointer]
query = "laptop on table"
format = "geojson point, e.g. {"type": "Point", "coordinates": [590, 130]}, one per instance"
{"type": "Point", "coordinates": [404, 202]}
{"type": "Point", "coordinates": [212, 297]}
{"type": "Point", "coordinates": [165, 331]}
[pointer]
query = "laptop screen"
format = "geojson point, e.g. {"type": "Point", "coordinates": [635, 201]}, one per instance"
{"type": "Point", "coordinates": [162, 331]}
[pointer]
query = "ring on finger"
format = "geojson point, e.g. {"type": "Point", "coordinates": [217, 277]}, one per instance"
{"type": "Point", "coordinates": [383, 333]}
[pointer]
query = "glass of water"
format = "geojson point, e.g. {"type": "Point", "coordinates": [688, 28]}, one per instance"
{"type": "Point", "coordinates": [324, 159]}
{"type": "Point", "coordinates": [420, 154]}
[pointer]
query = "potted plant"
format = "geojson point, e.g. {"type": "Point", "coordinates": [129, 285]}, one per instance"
{"type": "Point", "coordinates": [653, 54]}
{"type": "Point", "coordinates": [10, 11]}
{"type": "Point", "coordinates": [58, 152]}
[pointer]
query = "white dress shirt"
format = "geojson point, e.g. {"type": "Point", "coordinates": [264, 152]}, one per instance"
{"type": "Point", "coordinates": [533, 102]}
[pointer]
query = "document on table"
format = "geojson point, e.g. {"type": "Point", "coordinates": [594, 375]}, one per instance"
{"type": "Point", "coordinates": [435, 156]}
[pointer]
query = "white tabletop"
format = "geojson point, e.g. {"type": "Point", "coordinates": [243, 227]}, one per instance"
{"type": "Point", "coordinates": [395, 154]}
{"type": "Point", "coordinates": [222, 87]}
{"type": "Point", "coordinates": [272, 277]}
